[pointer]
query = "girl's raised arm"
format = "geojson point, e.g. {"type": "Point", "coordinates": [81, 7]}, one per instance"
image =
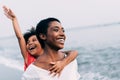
{"type": "Point", "coordinates": [9, 13]}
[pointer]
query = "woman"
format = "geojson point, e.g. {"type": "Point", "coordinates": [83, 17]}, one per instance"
{"type": "Point", "coordinates": [51, 36]}
{"type": "Point", "coordinates": [31, 48]}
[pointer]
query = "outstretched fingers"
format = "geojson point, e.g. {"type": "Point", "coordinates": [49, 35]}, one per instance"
{"type": "Point", "coordinates": [8, 12]}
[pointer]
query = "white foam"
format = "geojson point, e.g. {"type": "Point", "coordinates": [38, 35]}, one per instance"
{"type": "Point", "coordinates": [93, 76]}
{"type": "Point", "coordinates": [11, 63]}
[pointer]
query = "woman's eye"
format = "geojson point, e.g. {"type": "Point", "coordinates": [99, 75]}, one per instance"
{"type": "Point", "coordinates": [63, 30]}
{"type": "Point", "coordinates": [56, 30]}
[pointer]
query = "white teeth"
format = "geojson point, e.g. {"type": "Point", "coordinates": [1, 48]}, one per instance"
{"type": "Point", "coordinates": [31, 47]}
{"type": "Point", "coordinates": [61, 40]}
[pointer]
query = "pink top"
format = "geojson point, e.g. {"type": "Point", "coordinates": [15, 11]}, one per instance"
{"type": "Point", "coordinates": [30, 59]}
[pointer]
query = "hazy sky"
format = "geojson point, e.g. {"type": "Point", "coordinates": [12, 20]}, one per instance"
{"type": "Point", "coordinates": [72, 13]}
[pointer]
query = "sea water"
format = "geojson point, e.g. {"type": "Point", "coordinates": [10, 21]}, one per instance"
{"type": "Point", "coordinates": [98, 51]}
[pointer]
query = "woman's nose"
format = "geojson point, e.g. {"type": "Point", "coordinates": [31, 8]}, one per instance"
{"type": "Point", "coordinates": [61, 32]}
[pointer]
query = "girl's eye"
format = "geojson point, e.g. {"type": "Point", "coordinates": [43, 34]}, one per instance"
{"type": "Point", "coordinates": [34, 39]}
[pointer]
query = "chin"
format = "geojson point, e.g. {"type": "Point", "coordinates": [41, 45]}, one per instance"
{"type": "Point", "coordinates": [33, 53]}
{"type": "Point", "coordinates": [61, 47]}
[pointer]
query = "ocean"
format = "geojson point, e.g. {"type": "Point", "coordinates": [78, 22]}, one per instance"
{"type": "Point", "coordinates": [98, 48]}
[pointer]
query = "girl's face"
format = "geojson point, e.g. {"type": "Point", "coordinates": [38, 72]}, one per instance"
{"type": "Point", "coordinates": [33, 46]}
{"type": "Point", "coordinates": [55, 36]}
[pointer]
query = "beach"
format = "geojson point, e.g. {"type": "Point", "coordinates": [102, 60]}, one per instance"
{"type": "Point", "coordinates": [7, 73]}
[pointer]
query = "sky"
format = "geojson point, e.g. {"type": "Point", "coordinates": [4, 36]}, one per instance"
{"type": "Point", "coordinates": [72, 13]}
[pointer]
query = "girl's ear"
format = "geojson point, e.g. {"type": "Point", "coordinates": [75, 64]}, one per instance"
{"type": "Point", "coordinates": [42, 36]}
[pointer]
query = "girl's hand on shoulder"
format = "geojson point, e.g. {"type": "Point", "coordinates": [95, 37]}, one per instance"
{"type": "Point", "coordinates": [57, 67]}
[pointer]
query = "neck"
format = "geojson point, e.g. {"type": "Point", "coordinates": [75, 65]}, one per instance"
{"type": "Point", "coordinates": [51, 53]}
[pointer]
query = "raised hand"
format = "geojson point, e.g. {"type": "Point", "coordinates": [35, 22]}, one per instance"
{"type": "Point", "coordinates": [9, 13]}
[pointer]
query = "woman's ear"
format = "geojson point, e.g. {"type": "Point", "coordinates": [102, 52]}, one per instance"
{"type": "Point", "coordinates": [42, 36]}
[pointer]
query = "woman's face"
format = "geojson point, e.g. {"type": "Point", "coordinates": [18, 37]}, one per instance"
{"type": "Point", "coordinates": [55, 36]}
{"type": "Point", "coordinates": [33, 46]}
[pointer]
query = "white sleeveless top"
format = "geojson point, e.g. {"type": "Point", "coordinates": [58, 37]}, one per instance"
{"type": "Point", "coordinates": [33, 72]}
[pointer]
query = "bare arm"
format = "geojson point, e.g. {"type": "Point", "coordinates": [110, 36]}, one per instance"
{"type": "Point", "coordinates": [71, 55]}
{"type": "Point", "coordinates": [9, 13]}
